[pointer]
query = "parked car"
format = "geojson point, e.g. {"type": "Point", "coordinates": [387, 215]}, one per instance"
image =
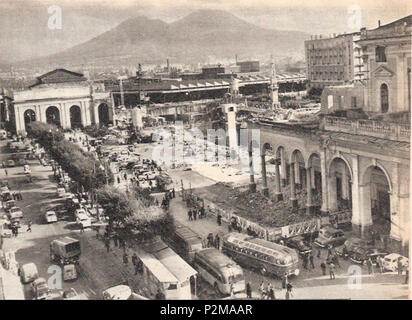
{"type": "Point", "coordinates": [120, 292]}
{"type": "Point", "coordinates": [69, 272]}
{"type": "Point", "coordinates": [361, 254]}
{"type": "Point", "coordinates": [60, 192]}
{"type": "Point", "coordinates": [40, 289]}
{"type": "Point", "coordinates": [15, 212]}
{"type": "Point", "coordinates": [83, 219]}
{"type": "Point", "coordinates": [10, 163]}
{"type": "Point", "coordinates": [299, 244]}
{"type": "Point", "coordinates": [330, 237]}
{"type": "Point", "coordinates": [28, 273]}
{"type": "Point", "coordinates": [390, 262]}
{"type": "Point", "coordinates": [50, 217]}
{"type": "Point", "coordinates": [346, 249]}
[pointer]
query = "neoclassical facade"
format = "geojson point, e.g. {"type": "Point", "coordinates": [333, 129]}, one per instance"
{"type": "Point", "coordinates": [64, 98]}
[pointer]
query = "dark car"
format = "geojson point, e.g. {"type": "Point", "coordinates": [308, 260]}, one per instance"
{"type": "Point", "coordinates": [299, 244]}
{"type": "Point", "coordinates": [346, 249]}
{"type": "Point", "coordinates": [361, 254]}
{"type": "Point", "coordinates": [330, 237]}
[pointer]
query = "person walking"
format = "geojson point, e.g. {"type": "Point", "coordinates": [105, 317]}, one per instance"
{"type": "Point", "coordinates": [5, 171]}
{"type": "Point", "coordinates": [370, 265]}
{"type": "Point", "coordinates": [288, 294]}
{"type": "Point", "coordinates": [125, 259]}
{"type": "Point", "coordinates": [312, 265]}
{"type": "Point", "coordinates": [219, 219]}
{"type": "Point", "coordinates": [407, 275]}
{"type": "Point", "coordinates": [272, 294]}
{"type": "Point", "coordinates": [189, 213]}
{"type": "Point", "coordinates": [248, 291]}
{"type": "Point", "coordinates": [269, 288]}
{"type": "Point", "coordinates": [194, 214]}
{"type": "Point", "coordinates": [319, 254]}
{"type": "Point", "coordinates": [323, 267]}
{"type": "Point", "coordinates": [28, 226]}
{"type": "Point", "coordinates": [400, 267]}
{"type": "Point", "coordinates": [262, 290]}
{"type": "Point", "coordinates": [217, 242]}
{"type": "Point", "coordinates": [332, 271]}
{"type": "Point", "coordinates": [284, 280]}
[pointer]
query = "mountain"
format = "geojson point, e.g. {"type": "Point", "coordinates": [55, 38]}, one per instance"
{"type": "Point", "coordinates": [193, 38]}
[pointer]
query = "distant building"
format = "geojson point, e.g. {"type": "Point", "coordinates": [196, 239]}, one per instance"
{"type": "Point", "coordinates": [333, 61]}
{"type": "Point", "coordinates": [386, 88]}
{"type": "Point", "coordinates": [249, 66]}
{"type": "Point", "coordinates": [64, 98]}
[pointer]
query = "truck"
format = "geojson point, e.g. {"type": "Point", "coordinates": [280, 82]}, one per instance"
{"type": "Point", "coordinates": [65, 251]}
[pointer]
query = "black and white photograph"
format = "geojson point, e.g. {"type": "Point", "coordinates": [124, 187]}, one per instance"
{"type": "Point", "coordinates": [203, 150]}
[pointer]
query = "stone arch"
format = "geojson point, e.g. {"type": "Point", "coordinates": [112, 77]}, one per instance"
{"type": "Point", "coordinates": [29, 115]}
{"type": "Point", "coordinates": [339, 179]}
{"type": "Point", "coordinates": [298, 162]}
{"type": "Point", "coordinates": [53, 115]}
{"type": "Point", "coordinates": [104, 113]}
{"type": "Point", "coordinates": [75, 117]}
{"type": "Point", "coordinates": [376, 202]}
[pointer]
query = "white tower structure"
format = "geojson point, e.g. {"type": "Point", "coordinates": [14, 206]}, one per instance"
{"type": "Point", "coordinates": [274, 94]}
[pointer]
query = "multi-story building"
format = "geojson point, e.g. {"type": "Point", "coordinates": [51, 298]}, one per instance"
{"type": "Point", "coordinates": [334, 60]}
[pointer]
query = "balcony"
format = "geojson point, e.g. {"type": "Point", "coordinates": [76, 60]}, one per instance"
{"type": "Point", "coordinates": [378, 129]}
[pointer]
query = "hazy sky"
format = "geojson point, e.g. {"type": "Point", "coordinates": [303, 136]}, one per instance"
{"type": "Point", "coordinates": [312, 16]}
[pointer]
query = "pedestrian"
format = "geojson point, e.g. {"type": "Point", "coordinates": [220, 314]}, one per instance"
{"type": "Point", "coordinates": [194, 214]}
{"type": "Point", "coordinates": [380, 259]}
{"type": "Point", "coordinates": [312, 265]}
{"type": "Point", "coordinates": [81, 228]}
{"type": "Point", "coordinates": [370, 265]}
{"type": "Point", "coordinates": [400, 267]}
{"type": "Point", "coordinates": [285, 280]}
{"type": "Point", "coordinates": [107, 244]}
{"type": "Point", "coordinates": [125, 259]}
{"type": "Point", "coordinates": [268, 289]}
{"type": "Point", "coordinates": [248, 291]}
{"type": "Point", "coordinates": [407, 275]}
{"type": "Point", "coordinates": [5, 171]}
{"type": "Point", "coordinates": [210, 240]}
{"type": "Point", "coordinates": [219, 219]}
{"type": "Point", "coordinates": [28, 226]}
{"type": "Point", "coordinates": [262, 290]}
{"type": "Point", "coordinates": [323, 267]}
{"type": "Point", "coordinates": [332, 271]}
{"type": "Point", "coordinates": [288, 294]}
{"type": "Point", "coordinates": [189, 213]}
{"type": "Point", "coordinates": [319, 254]}
{"type": "Point", "coordinates": [173, 193]}
{"type": "Point", "coordinates": [217, 242]}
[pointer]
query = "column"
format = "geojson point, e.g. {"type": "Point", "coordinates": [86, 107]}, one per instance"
{"type": "Point", "coordinates": [298, 182]}
{"type": "Point", "coordinates": [323, 167]}
{"type": "Point", "coordinates": [17, 120]}
{"type": "Point", "coordinates": [365, 208]}
{"type": "Point", "coordinates": [279, 195]}
{"type": "Point", "coordinates": [83, 113]}
{"type": "Point", "coordinates": [265, 189]}
{"type": "Point", "coordinates": [67, 113]}
{"type": "Point", "coordinates": [332, 194]}
{"type": "Point", "coordinates": [252, 184]}
{"type": "Point", "coordinates": [293, 200]}
{"type": "Point", "coordinates": [356, 221]}
{"type": "Point", "coordinates": [283, 166]}
{"type": "Point", "coordinates": [309, 205]}
{"type": "Point", "coordinates": [96, 113]}
{"type": "Point", "coordinates": [312, 178]}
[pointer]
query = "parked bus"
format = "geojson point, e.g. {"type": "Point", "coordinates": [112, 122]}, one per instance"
{"type": "Point", "coordinates": [219, 271]}
{"type": "Point", "coordinates": [266, 256]}
{"type": "Point", "coordinates": [185, 242]}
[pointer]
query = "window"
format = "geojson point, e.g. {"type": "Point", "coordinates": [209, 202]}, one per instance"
{"type": "Point", "coordinates": [353, 102]}
{"type": "Point", "coordinates": [330, 101]}
{"type": "Point", "coordinates": [380, 54]}
{"type": "Point", "coordinates": [384, 98]}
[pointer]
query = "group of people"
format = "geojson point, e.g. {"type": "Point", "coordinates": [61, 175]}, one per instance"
{"type": "Point", "coordinates": [195, 213]}
{"type": "Point", "coordinates": [212, 241]}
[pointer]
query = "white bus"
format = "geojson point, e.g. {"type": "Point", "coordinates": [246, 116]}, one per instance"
{"type": "Point", "coordinates": [219, 271]}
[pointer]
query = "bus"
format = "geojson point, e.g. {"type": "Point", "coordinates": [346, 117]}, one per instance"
{"type": "Point", "coordinates": [266, 256]}
{"type": "Point", "coordinates": [184, 241]}
{"type": "Point", "coordinates": [218, 270]}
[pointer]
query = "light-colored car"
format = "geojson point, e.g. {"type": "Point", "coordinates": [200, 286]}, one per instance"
{"type": "Point", "coordinates": [390, 262]}
{"type": "Point", "coordinates": [15, 212]}
{"type": "Point", "coordinates": [84, 220]}
{"type": "Point", "coordinates": [60, 192]}
{"type": "Point", "coordinates": [120, 292]}
{"type": "Point", "coordinates": [28, 272]}
{"type": "Point", "coordinates": [50, 217]}
{"type": "Point", "coordinates": [40, 289]}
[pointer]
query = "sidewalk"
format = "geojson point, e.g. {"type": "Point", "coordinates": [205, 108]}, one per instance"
{"type": "Point", "coordinates": [203, 226]}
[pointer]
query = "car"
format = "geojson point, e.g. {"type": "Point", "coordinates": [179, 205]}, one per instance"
{"type": "Point", "coordinates": [28, 273]}
{"type": "Point", "coordinates": [60, 192]}
{"type": "Point", "coordinates": [390, 262]}
{"type": "Point", "coordinates": [120, 292]}
{"type": "Point", "coordinates": [40, 289]}
{"type": "Point", "coordinates": [69, 272]}
{"type": "Point", "coordinates": [361, 254]}
{"type": "Point", "coordinates": [71, 294]}
{"type": "Point", "coordinates": [10, 163]}
{"type": "Point", "coordinates": [15, 212]}
{"type": "Point", "coordinates": [330, 237]}
{"type": "Point", "coordinates": [299, 244]}
{"type": "Point", "coordinates": [26, 169]}
{"type": "Point", "coordinates": [346, 249]}
{"type": "Point", "coordinates": [83, 220]}
{"type": "Point", "coordinates": [50, 217]}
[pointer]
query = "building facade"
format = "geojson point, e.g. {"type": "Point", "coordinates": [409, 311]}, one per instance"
{"type": "Point", "coordinates": [64, 98]}
{"type": "Point", "coordinates": [334, 60]}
